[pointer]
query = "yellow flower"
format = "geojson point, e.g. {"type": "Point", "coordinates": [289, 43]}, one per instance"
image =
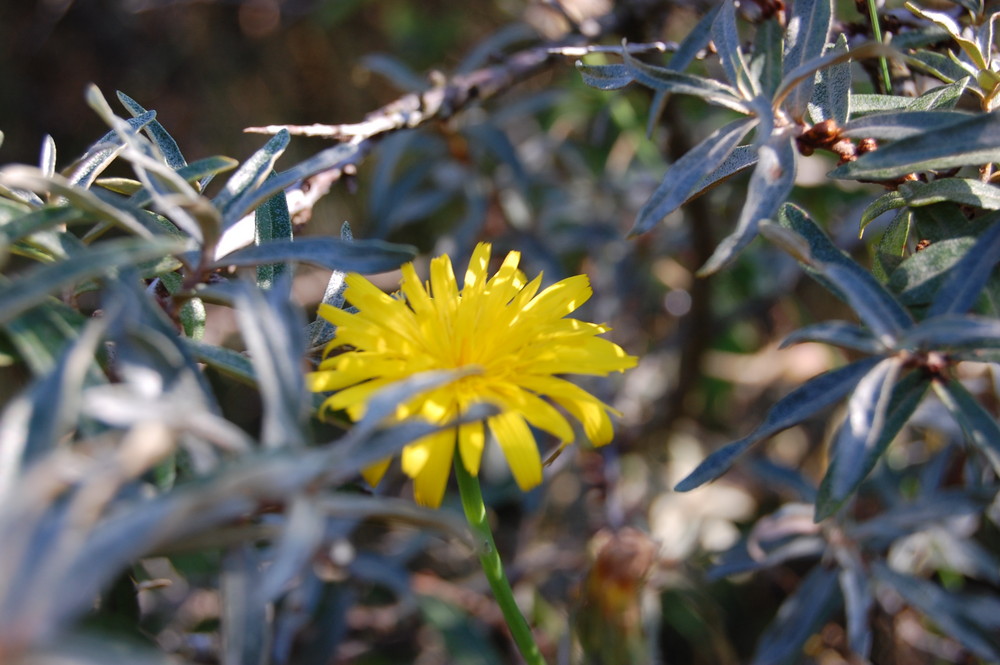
{"type": "Point", "coordinates": [516, 339]}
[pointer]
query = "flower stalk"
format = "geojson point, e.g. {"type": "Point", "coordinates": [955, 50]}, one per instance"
{"type": "Point", "coordinates": [489, 558]}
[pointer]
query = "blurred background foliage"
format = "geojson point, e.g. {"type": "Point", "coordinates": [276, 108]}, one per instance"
{"type": "Point", "coordinates": [559, 171]}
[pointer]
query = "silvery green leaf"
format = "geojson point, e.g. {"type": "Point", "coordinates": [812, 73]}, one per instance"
{"type": "Point", "coordinates": [336, 157]}
{"type": "Point", "coordinates": [953, 332]}
{"type": "Point", "coordinates": [839, 333]}
{"type": "Point", "coordinates": [668, 80]}
{"type": "Point", "coordinates": [891, 248]}
{"type": "Point", "coordinates": [32, 179]}
{"type": "Point", "coordinates": [921, 275]}
{"type": "Point", "coordinates": [238, 195]}
{"type": "Point", "coordinates": [320, 330]}
{"type": "Point", "coordinates": [942, 97]}
{"type": "Point", "coordinates": [694, 42]}
{"type": "Point", "coordinates": [272, 222]}
{"type": "Point", "coordinates": [808, 25]}
{"type": "Point", "coordinates": [858, 603]}
{"type": "Point", "coordinates": [769, 186]}
{"type": "Point", "coordinates": [801, 615]}
{"type": "Point", "coordinates": [766, 58]}
{"type": "Point", "coordinates": [865, 103]}
{"type": "Point", "coordinates": [979, 425]}
{"type": "Point", "coordinates": [969, 618]}
{"type": "Point", "coordinates": [34, 285]}
{"type": "Point", "coordinates": [874, 305]}
{"type": "Point", "coordinates": [965, 191]}
{"type": "Point", "coordinates": [831, 96]}
{"type": "Point", "coordinates": [244, 616]}
{"type": "Point", "coordinates": [41, 219]}
{"type": "Point", "coordinates": [605, 77]}
{"type": "Point", "coordinates": [903, 124]}
{"type": "Point", "coordinates": [727, 43]}
{"type": "Point", "coordinates": [364, 256]}
{"type": "Point", "coordinates": [157, 133]}
{"type": "Point", "coordinates": [272, 327]}
{"type": "Point", "coordinates": [812, 396]}
{"type": "Point", "coordinates": [876, 412]}
{"type": "Point", "coordinates": [686, 173]}
{"type": "Point", "coordinates": [100, 155]}
{"type": "Point", "coordinates": [970, 273]}
{"type": "Point", "coordinates": [47, 160]}
{"type": "Point", "coordinates": [940, 66]}
{"type": "Point", "coordinates": [966, 142]}
{"type": "Point", "coordinates": [739, 160]}
{"type": "Point", "coordinates": [231, 363]}
{"type": "Point", "coordinates": [194, 172]}
{"type": "Point", "coordinates": [889, 201]}
{"type": "Point", "coordinates": [302, 534]}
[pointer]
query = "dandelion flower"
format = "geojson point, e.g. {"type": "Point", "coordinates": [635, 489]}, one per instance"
{"type": "Point", "coordinates": [515, 339]}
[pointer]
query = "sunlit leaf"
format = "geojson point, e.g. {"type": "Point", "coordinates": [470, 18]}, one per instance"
{"type": "Point", "coordinates": [876, 413]}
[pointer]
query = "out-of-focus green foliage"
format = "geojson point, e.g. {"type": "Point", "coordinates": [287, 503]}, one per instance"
{"type": "Point", "coordinates": [166, 491]}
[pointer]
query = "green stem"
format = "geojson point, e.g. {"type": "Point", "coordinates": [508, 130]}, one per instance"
{"type": "Point", "coordinates": [877, 32]}
{"type": "Point", "coordinates": [475, 513]}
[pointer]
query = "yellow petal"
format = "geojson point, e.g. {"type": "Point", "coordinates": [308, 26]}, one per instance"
{"type": "Point", "coordinates": [374, 473]}
{"type": "Point", "coordinates": [561, 298]}
{"type": "Point", "coordinates": [430, 481]}
{"type": "Point", "coordinates": [471, 442]}
{"type": "Point", "coordinates": [518, 445]}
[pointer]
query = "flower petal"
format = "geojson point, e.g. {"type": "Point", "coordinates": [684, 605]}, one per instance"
{"type": "Point", "coordinates": [471, 442]}
{"type": "Point", "coordinates": [519, 447]}
{"type": "Point", "coordinates": [430, 482]}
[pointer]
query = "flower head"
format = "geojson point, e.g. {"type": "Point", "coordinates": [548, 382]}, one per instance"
{"type": "Point", "coordinates": [516, 338]}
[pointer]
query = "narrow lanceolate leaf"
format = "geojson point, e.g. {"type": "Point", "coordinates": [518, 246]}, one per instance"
{"type": "Point", "coordinates": [272, 222]}
{"type": "Point", "coordinates": [246, 626]}
{"type": "Point", "coordinates": [336, 157]}
{"type": "Point", "coordinates": [919, 276]}
{"type": "Point", "coordinates": [668, 80]}
{"type": "Point", "coordinates": [876, 413]}
{"type": "Point", "coordinates": [800, 617]}
{"type": "Point", "coordinates": [886, 202]}
{"type": "Point", "coordinates": [839, 333]}
{"type": "Point", "coordinates": [605, 77]}
{"type": "Point", "coordinates": [192, 173]}
{"type": "Point", "coordinates": [968, 142]}
{"type": "Point", "coordinates": [38, 220]}
{"type": "Point", "coordinates": [247, 178]}
{"type": "Point", "coordinates": [801, 403]}
{"type": "Point", "coordinates": [272, 328]}
{"type": "Point", "coordinates": [807, 71]}
{"type": "Point", "coordinates": [953, 332]}
{"type": "Point", "coordinates": [31, 178]}
{"type": "Point", "coordinates": [686, 173]}
{"type": "Point", "coordinates": [769, 186]}
{"type": "Point", "coordinates": [33, 286]}
{"type": "Point", "coordinates": [157, 133]}
{"type": "Point", "coordinates": [903, 125]}
{"type": "Point", "coordinates": [874, 305]}
{"type": "Point", "coordinates": [969, 275]}
{"type": "Point", "coordinates": [231, 363]}
{"type": "Point", "coordinates": [103, 152]}
{"type": "Point", "coordinates": [727, 43]}
{"type": "Point", "coordinates": [740, 159]}
{"type": "Point", "coordinates": [766, 58]}
{"type": "Point", "coordinates": [858, 602]}
{"type": "Point", "coordinates": [979, 425]}
{"type": "Point", "coordinates": [942, 97]}
{"type": "Point", "coordinates": [47, 160]}
{"type": "Point", "coordinates": [831, 98]}
{"type": "Point", "coordinates": [965, 191]}
{"type": "Point", "coordinates": [805, 39]}
{"type": "Point", "coordinates": [364, 256]}
{"type": "Point", "coordinates": [970, 619]}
